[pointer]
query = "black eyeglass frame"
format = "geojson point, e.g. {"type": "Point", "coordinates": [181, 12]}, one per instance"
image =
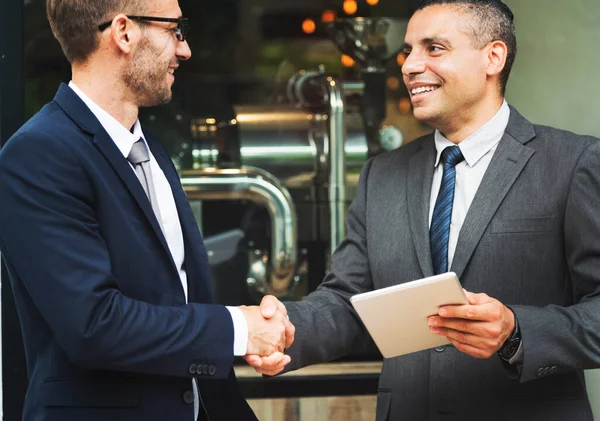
{"type": "Point", "coordinates": [182, 24]}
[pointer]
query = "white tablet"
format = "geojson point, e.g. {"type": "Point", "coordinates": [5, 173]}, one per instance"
{"type": "Point", "coordinates": [396, 316]}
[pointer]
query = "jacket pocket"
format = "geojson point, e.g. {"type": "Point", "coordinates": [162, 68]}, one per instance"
{"type": "Point", "coordinates": [88, 393]}
{"type": "Point", "coordinates": [523, 225]}
{"type": "Point", "coordinates": [384, 401]}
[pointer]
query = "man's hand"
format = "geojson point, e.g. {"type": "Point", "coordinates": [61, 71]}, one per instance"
{"type": "Point", "coordinates": [270, 365]}
{"type": "Point", "coordinates": [479, 328]}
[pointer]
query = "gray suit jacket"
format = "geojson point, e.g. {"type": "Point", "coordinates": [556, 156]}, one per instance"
{"type": "Point", "coordinates": [531, 239]}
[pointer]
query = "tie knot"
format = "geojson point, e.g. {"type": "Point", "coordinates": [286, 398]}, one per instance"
{"type": "Point", "coordinates": [138, 153]}
{"type": "Point", "coordinates": [452, 155]}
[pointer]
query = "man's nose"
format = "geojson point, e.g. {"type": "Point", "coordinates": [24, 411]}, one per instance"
{"type": "Point", "coordinates": [413, 64]}
{"type": "Point", "coordinates": [183, 51]}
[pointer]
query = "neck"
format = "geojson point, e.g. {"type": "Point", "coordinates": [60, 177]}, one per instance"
{"type": "Point", "coordinates": [105, 87]}
{"type": "Point", "coordinates": [462, 127]}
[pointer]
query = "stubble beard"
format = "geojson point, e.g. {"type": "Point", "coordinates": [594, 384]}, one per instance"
{"type": "Point", "coordinates": [146, 78]}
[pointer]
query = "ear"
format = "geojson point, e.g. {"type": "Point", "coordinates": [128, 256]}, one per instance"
{"type": "Point", "coordinates": [497, 52]}
{"type": "Point", "coordinates": [125, 33]}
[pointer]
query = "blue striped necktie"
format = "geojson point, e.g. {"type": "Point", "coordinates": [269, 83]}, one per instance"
{"type": "Point", "coordinates": [439, 233]}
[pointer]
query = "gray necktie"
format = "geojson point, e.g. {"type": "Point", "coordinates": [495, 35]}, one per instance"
{"type": "Point", "coordinates": [140, 159]}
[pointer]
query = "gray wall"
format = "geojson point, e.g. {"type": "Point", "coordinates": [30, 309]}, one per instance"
{"type": "Point", "coordinates": [555, 78]}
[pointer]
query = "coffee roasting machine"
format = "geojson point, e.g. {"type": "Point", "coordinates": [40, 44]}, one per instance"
{"type": "Point", "coordinates": [271, 186]}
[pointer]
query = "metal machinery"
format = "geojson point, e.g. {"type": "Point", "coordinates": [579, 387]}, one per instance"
{"type": "Point", "coordinates": [271, 186]}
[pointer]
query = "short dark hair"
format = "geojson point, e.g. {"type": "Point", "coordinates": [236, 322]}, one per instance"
{"type": "Point", "coordinates": [75, 23]}
{"type": "Point", "coordinates": [493, 21]}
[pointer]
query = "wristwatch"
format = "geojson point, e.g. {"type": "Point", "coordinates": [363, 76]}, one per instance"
{"type": "Point", "coordinates": [511, 346]}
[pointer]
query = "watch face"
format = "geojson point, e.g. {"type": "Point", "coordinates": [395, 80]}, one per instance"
{"type": "Point", "coordinates": [509, 350]}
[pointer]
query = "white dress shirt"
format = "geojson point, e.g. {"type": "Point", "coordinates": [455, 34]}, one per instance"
{"type": "Point", "coordinates": [124, 140]}
{"type": "Point", "coordinates": [478, 150]}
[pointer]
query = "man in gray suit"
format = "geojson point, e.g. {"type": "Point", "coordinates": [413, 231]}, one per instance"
{"type": "Point", "coordinates": [511, 207]}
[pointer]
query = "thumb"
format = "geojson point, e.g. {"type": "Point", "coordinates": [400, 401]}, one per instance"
{"type": "Point", "coordinates": [268, 306]}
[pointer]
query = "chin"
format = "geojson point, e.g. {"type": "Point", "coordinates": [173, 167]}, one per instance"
{"type": "Point", "coordinates": [422, 114]}
{"type": "Point", "coordinates": [158, 98]}
{"type": "Point", "coordinates": [430, 115]}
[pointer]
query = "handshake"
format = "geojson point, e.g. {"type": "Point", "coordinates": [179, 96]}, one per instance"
{"type": "Point", "coordinates": [270, 332]}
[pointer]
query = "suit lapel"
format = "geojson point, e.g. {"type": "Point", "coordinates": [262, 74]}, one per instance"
{"type": "Point", "coordinates": [508, 162]}
{"type": "Point", "coordinates": [418, 192]}
{"type": "Point", "coordinates": [196, 260]}
{"type": "Point", "coordinates": [110, 151]}
{"type": "Point", "coordinates": [80, 113]}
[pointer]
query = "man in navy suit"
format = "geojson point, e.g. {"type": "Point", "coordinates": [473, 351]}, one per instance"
{"type": "Point", "coordinates": [109, 271]}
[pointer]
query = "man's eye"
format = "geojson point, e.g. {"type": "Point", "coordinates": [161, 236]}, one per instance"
{"type": "Point", "coordinates": [405, 53]}
{"type": "Point", "coordinates": [435, 49]}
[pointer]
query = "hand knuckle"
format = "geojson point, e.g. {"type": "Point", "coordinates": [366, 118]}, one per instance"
{"type": "Point", "coordinates": [493, 331]}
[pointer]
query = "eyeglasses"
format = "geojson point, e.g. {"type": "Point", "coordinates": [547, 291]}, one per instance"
{"type": "Point", "coordinates": [180, 31]}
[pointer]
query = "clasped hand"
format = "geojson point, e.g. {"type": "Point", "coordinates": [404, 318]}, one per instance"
{"type": "Point", "coordinates": [479, 328]}
{"type": "Point", "coordinates": [270, 332]}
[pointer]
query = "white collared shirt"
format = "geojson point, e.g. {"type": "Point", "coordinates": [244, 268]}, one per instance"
{"type": "Point", "coordinates": [124, 139]}
{"type": "Point", "coordinates": [478, 150]}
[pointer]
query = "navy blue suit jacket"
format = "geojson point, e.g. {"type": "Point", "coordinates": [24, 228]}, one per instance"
{"type": "Point", "coordinates": [107, 332]}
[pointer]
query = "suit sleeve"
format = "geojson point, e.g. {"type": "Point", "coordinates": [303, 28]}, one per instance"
{"type": "Point", "coordinates": [558, 339]}
{"type": "Point", "coordinates": [50, 238]}
{"type": "Point", "coordinates": [327, 327]}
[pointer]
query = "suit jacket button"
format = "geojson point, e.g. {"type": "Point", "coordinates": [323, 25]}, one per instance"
{"type": "Point", "coordinates": [212, 370]}
{"type": "Point", "coordinates": [440, 348]}
{"type": "Point", "coordinates": [192, 369]}
{"type": "Point", "coordinates": [540, 371]}
{"type": "Point", "coordinates": [188, 397]}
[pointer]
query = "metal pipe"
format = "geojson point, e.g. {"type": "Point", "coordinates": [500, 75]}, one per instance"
{"type": "Point", "coordinates": [337, 162]}
{"type": "Point", "coordinates": [356, 87]}
{"type": "Point", "coordinates": [258, 186]}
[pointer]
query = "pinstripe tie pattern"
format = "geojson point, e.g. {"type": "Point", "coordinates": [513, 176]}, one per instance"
{"type": "Point", "coordinates": [439, 233]}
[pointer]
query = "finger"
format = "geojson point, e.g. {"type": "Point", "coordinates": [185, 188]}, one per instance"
{"type": "Point", "coordinates": [290, 331]}
{"type": "Point", "coordinates": [281, 307]}
{"type": "Point", "coordinates": [268, 306]}
{"type": "Point", "coordinates": [491, 331]}
{"type": "Point", "coordinates": [478, 299]}
{"type": "Point", "coordinates": [269, 372]}
{"type": "Point", "coordinates": [273, 360]}
{"type": "Point", "coordinates": [253, 360]}
{"type": "Point", "coordinates": [479, 342]}
{"type": "Point", "coordinates": [471, 350]}
{"type": "Point", "coordinates": [474, 327]}
{"type": "Point", "coordinates": [490, 311]}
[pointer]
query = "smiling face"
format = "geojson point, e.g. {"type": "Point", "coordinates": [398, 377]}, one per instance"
{"type": "Point", "coordinates": [150, 74]}
{"type": "Point", "coordinates": [448, 78]}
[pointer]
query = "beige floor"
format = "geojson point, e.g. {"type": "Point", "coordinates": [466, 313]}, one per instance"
{"type": "Point", "coordinates": [346, 408]}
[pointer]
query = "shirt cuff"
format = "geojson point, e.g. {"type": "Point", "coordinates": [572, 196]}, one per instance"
{"type": "Point", "coordinates": [240, 331]}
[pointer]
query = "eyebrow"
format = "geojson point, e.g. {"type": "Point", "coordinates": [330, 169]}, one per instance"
{"type": "Point", "coordinates": [429, 41]}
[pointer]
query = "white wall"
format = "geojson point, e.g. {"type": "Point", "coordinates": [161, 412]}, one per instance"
{"type": "Point", "coordinates": [555, 78]}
